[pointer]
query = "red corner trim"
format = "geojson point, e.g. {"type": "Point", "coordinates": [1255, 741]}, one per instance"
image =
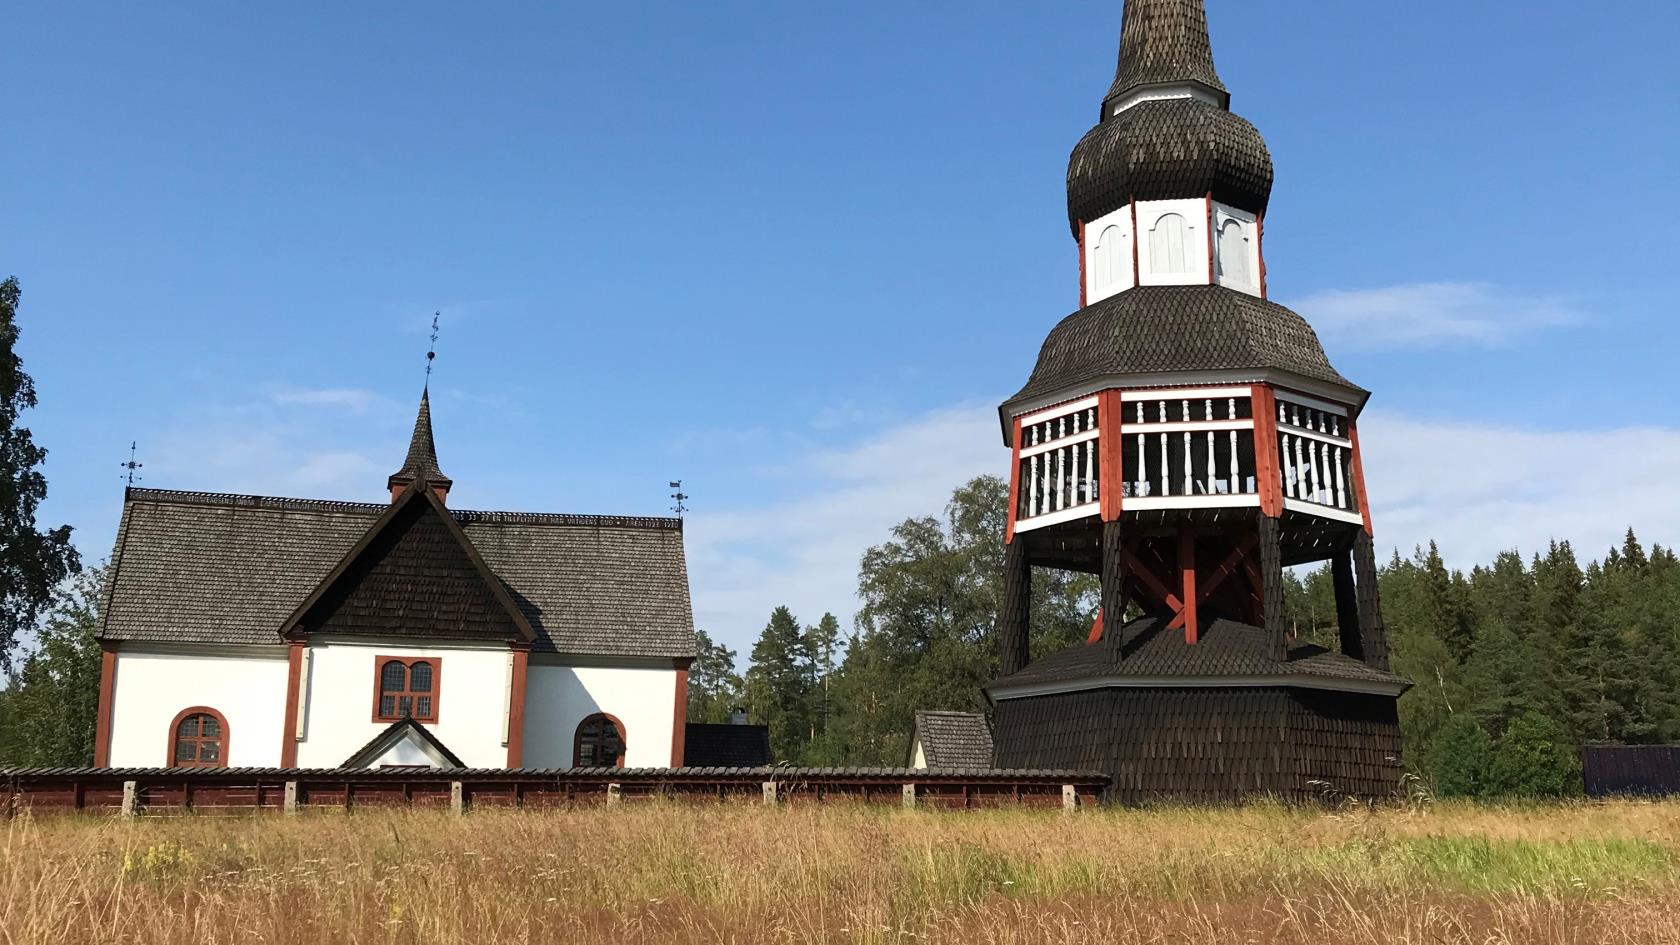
{"type": "Point", "coordinates": [1359, 476]}
{"type": "Point", "coordinates": [294, 687]}
{"type": "Point", "coordinates": [516, 706]}
{"type": "Point", "coordinates": [1212, 278]}
{"type": "Point", "coordinates": [1081, 263]}
{"type": "Point", "coordinates": [679, 716]}
{"type": "Point", "coordinates": [1260, 247]}
{"type": "Point", "coordinates": [1137, 278]}
{"type": "Point", "coordinates": [107, 699]}
{"type": "Point", "coordinates": [1187, 578]}
{"type": "Point", "coordinates": [1014, 482]}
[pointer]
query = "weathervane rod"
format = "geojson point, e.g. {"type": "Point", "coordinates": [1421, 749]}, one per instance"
{"type": "Point", "coordinates": [431, 353]}
{"type": "Point", "coordinates": [132, 465]}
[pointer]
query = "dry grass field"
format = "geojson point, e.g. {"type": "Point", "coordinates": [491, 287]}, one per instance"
{"type": "Point", "coordinates": [1584, 873]}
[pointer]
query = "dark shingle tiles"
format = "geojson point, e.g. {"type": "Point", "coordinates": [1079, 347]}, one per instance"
{"type": "Point", "coordinates": [1163, 329]}
{"type": "Point", "coordinates": [707, 745]}
{"type": "Point", "coordinates": [1160, 150]}
{"type": "Point", "coordinates": [954, 739]}
{"type": "Point", "coordinates": [1163, 41]}
{"type": "Point", "coordinates": [204, 568]}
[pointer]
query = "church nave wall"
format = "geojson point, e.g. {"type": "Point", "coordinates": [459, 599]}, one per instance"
{"type": "Point", "coordinates": [246, 685]}
{"type": "Point", "coordinates": [558, 698]}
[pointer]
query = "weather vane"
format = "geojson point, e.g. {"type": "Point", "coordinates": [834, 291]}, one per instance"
{"type": "Point", "coordinates": [431, 353]}
{"type": "Point", "coordinates": [680, 496]}
{"type": "Point", "coordinates": [131, 465]}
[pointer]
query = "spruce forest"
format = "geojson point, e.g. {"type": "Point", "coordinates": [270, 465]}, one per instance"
{"type": "Point", "coordinates": [1515, 664]}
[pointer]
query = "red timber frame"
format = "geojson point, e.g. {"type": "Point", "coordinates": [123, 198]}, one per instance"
{"type": "Point", "coordinates": [107, 702]}
{"type": "Point", "coordinates": [1081, 263]}
{"type": "Point", "coordinates": [1015, 479]}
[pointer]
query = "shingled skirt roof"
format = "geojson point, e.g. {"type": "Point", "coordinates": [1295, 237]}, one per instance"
{"type": "Point", "coordinates": [1164, 329]}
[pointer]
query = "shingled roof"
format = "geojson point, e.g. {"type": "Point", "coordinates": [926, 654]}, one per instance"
{"type": "Point", "coordinates": [202, 568]}
{"type": "Point", "coordinates": [1163, 42]}
{"type": "Point", "coordinates": [1224, 648]}
{"type": "Point", "coordinates": [952, 739]}
{"type": "Point", "coordinates": [1162, 329]}
{"type": "Point", "coordinates": [421, 461]}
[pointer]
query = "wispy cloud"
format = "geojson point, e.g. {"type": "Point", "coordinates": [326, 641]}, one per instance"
{"type": "Point", "coordinates": [352, 399]}
{"type": "Point", "coordinates": [1426, 314]}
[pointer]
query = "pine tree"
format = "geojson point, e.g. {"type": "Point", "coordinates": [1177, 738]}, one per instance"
{"type": "Point", "coordinates": [32, 563]}
{"type": "Point", "coordinates": [778, 685]}
{"type": "Point", "coordinates": [714, 689]}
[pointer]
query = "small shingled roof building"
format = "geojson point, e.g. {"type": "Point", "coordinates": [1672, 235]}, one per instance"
{"type": "Point", "coordinates": [249, 631]}
{"type": "Point", "coordinates": [950, 740]}
{"type": "Point", "coordinates": [1185, 438]}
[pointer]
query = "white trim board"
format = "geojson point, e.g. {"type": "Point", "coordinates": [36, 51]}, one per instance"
{"type": "Point", "coordinates": [1323, 511]}
{"type": "Point", "coordinates": [1057, 411]}
{"type": "Point", "coordinates": [1057, 517]}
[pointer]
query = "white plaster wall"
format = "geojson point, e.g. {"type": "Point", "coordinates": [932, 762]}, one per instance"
{"type": "Point", "coordinates": [557, 698]}
{"type": "Point", "coordinates": [338, 701]}
{"type": "Point", "coordinates": [1120, 278]}
{"type": "Point", "coordinates": [919, 762]}
{"type": "Point", "coordinates": [1194, 212]}
{"type": "Point", "coordinates": [152, 687]}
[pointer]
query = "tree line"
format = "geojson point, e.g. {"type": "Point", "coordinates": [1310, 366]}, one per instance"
{"type": "Point", "coordinates": [1516, 663]}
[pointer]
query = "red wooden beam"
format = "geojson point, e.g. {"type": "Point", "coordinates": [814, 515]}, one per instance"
{"type": "Point", "coordinates": [107, 700]}
{"type": "Point", "coordinates": [1260, 247]}
{"type": "Point", "coordinates": [1152, 583]}
{"type": "Point", "coordinates": [679, 722]}
{"type": "Point", "coordinates": [1096, 629]}
{"type": "Point", "coordinates": [516, 705]}
{"type": "Point", "coordinates": [1212, 278]}
{"type": "Point", "coordinates": [1136, 278]}
{"type": "Point", "coordinates": [1226, 568]}
{"type": "Point", "coordinates": [1081, 241]}
{"type": "Point", "coordinates": [1187, 576]}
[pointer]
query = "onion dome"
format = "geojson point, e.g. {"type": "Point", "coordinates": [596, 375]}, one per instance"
{"type": "Point", "coordinates": [1166, 129]}
{"type": "Point", "coordinates": [1161, 329]}
{"type": "Point", "coordinates": [422, 461]}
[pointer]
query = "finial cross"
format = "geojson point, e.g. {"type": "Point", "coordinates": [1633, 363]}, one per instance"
{"type": "Point", "coordinates": [131, 465]}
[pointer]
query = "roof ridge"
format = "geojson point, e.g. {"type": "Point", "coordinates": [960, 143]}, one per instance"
{"type": "Point", "coordinates": [463, 516]}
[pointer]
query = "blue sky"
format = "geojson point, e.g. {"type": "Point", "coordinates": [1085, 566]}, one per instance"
{"type": "Point", "coordinates": [796, 253]}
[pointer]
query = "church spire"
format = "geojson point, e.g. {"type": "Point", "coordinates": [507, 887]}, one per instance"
{"type": "Point", "coordinates": [422, 461]}
{"type": "Point", "coordinates": [1164, 48]}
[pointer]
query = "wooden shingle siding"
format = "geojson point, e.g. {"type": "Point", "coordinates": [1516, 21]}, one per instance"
{"type": "Point", "coordinates": [1210, 745]}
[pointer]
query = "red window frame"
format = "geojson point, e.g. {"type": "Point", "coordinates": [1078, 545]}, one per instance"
{"type": "Point", "coordinates": [577, 741]}
{"type": "Point", "coordinates": [407, 691]}
{"type": "Point", "coordinates": [199, 739]}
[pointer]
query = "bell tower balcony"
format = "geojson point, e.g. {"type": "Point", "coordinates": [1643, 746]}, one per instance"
{"type": "Point", "coordinates": [1197, 456]}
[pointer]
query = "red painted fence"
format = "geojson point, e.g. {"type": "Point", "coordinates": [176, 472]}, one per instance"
{"type": "Point", "coordinates": [141, 790]}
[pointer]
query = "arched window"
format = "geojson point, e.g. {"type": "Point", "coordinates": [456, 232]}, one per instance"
{"type": "Point", "coordinates": [406, 687]}
{"type": "Point", "coordinates": [600, 743]}
{"type": "Point", "coordinates": [1166, 245]}
{"type": "Point", "coordinates": [198, 738]}
{"type": "Point", "coordinates": [1233, 253]}
{"type": "Point", "coordinates": [1108, 257]}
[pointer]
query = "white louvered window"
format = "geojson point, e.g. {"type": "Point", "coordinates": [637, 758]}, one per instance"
{"type": "Point", "coordinates": [1110, 261]}
{"type": "Point", "coordinates": [1234, 253]}
{"type": "Point", "coordinates": [1166, 245]}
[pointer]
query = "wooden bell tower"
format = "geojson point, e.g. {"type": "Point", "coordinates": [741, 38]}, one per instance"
{"type": "Point", "coordinates": [1186, 439]}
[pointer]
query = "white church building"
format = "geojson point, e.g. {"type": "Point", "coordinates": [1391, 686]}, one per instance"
{"type": "Point", "coordinates": [248, 631]}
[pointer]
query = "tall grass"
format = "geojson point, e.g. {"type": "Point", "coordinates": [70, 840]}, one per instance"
{"type": "Point", "coordinates": [743, 873]}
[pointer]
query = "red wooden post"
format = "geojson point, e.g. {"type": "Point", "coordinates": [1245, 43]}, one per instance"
{"type": "Point", "coordinates": [1264, 407]}
{"type": "Point", "coordinates": [1260, 247]}
{"type": "Point", "coordinates": [1110, 417]}
{"type": "Point", "coordinates": [1081, 263]}
{"type": "Point", "coordinates": [1136, 238]}
{"type": "Point", "coordinates": [1187, 575]}
{"type": "Point", "coordinates": [1212, 278]}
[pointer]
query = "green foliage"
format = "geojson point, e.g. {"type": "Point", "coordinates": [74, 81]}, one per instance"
{"type": "Point", "coordinates": [779, 685]}
{"type": "Point", "coordinates": [1462, 753]}
{"type": "Point", "coordinates": [48, 716]}
{"type": "Point", "coordinates": [32, 563]}
{"type": "Point", "coordinates": [714, 688]}
{"type": "Point", "coordinates": [1534, 758]}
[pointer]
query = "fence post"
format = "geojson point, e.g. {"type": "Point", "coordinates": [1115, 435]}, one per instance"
{"type": "Point", "coordinates": [131, 798]}
{"type": "Point", "coordinates": [615, 794]}
{"type": "Point", "coordinates": [772, 793]}
{"type": "Point", "coordinates": [1070, 798]}
{"type": "Point", "coordinates": [457, 803]}
{"type": "Point", "coordinates": [910, 797]}
{"type": "Point", "coordinates": [290, 803]}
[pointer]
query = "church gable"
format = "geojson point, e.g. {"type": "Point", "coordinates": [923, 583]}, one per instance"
{"type": "Point", "coordinates": [413, 574]}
